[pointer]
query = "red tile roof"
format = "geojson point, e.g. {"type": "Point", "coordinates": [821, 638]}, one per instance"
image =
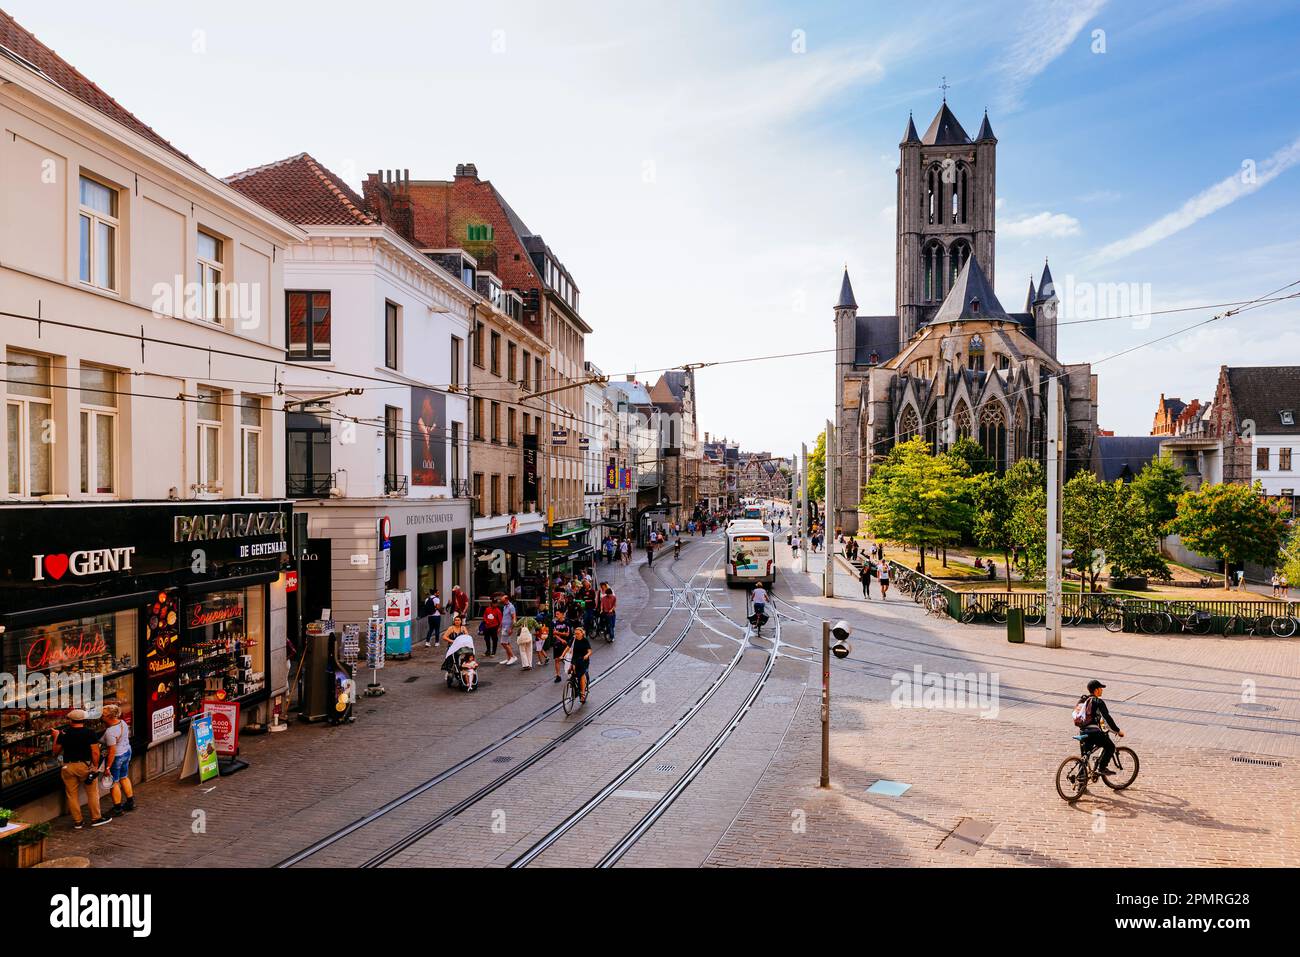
{"type": "Point", "coordinates": [63, 73]}
{"type": "Point", "coordinates": [304, 192]}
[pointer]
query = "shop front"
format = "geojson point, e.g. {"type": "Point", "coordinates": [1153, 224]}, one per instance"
{"type": "Point", "coordinates": [156, 608]}
{"type": "Point", "coordinates": [426, 549]}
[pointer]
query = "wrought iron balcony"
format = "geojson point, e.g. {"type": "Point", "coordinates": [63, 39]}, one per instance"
{"type": "Point", "coordinates": [395, 484]}
{"type": "Point", "coordinates": [309, 484]}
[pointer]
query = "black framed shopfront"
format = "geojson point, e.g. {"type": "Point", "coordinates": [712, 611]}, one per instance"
{"type": "Point", "coordinates": [154, 607]}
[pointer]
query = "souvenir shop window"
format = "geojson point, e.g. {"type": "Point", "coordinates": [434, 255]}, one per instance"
{"type": "Point", "coordinates": [222, 650]}
{"type": "Point", "coordinates": [51, 669]}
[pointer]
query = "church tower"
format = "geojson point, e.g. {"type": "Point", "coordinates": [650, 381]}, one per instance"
{"type": "Point", "coordinates": [946, 196]}
{"type": "Point", "coordinates": [846, 327]}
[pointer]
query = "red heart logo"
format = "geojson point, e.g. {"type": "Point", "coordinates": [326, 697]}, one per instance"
{"type": "Point", "coordinates": [56, 565]}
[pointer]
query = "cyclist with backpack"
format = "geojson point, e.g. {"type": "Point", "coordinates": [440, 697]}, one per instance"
{"type": "Point", "coordinates": [1088, 715]}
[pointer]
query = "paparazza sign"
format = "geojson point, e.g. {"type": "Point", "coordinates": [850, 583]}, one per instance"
{"type": "Point", "coordinates": [85, 551]}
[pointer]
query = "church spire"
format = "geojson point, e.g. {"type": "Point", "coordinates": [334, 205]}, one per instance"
{"type": "Point", "coordinates": [1046, 287]}
{"type": "Point", "coordinates": [1029, 301]}
{"type": "Point", "coordinates": [945, 130]}
{"type": "Point", "coordinates": [910, 136]}
{"type": "Point", "coordinates": [846, 293]}
{"type": "Point", "coordinates": [986, 131]}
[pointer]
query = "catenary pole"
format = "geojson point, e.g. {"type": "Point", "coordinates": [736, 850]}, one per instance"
{"type": "Point", "coordinates": [832, 457]}
{"type": "Point", "coordinates": [1055, 414]}
{"type": "Point", "coordinates": [803, 516]}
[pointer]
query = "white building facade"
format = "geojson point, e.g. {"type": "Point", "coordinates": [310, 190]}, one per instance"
{"type": "Point", "coordinates": [377, 437]}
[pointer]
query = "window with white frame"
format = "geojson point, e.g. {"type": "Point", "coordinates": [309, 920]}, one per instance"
{"type": "Point", "coordinates": [98, 225]}
{"type": "Point", "coordinates": [250, 445]}
{"type": "Point", "coordinates": [392, 325]}
{"type": "Point", "coordinates": [210, 267]}
{"type": "Point", "coordinates": [209, 439]}
{"type": "Point", "coordinates": [98, 430]}
{"type": "Point", "coordinates": [29, 424]}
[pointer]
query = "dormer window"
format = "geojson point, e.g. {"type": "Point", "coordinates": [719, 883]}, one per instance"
{"type": "Point", "coordinates": [975, 307]}
{"type": "Point", "coordinates": [1288, 416]}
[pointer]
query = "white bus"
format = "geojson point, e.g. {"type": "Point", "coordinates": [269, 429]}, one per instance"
{"type": "Point", "coordinates": [751, 554]}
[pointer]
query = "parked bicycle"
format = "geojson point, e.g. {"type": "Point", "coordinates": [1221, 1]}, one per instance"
{"type": "Point", "coordinates": [1076, 773]}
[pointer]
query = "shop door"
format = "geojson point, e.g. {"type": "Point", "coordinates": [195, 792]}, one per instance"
{"type": "Point", "coordinates": [314, 581]}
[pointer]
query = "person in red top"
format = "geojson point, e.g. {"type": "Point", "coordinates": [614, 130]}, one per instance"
{"type": "Point", "coordinates": [608, 610]}
{"type": "Point", "coordinates": [490, 628]}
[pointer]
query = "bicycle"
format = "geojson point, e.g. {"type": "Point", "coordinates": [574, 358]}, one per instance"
{"type": "Point", "coordinates": [1247, 624]}
{"type": "Point", "coordinates": [1110, 612]}
{"type": "Point", "coordinates": [572, 695]}
{"type": "Point", "coordinates": [935, 601]}
{"type": "Point", "coordinates": [1035, 612]}
{"type": "Point", "coordinates": [1284, 626]}
{"type": "Point", "coordinates": [1076, 773]}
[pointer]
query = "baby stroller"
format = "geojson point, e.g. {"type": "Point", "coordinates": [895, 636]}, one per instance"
{"type": "Point", "coordinates": [461, 673]}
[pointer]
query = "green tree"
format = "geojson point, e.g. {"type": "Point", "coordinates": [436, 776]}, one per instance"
{"type": "Point", "coordinates": [1158, 487]}
{"type": "Point", "coordinates": [1087, 512]}
{"type": "Point", "coordinates": [972, 453]}
{"type": "Point", "coordinates": [817, 470]}
{"type": "Point", "coordinates": [1290, 558]}
{"type": "Point", "coordinates": [917, 498]}
{"type": "Point", "coordinates": [1132, 540]}
{"type": "Point", "coordinates": [1230, 522]}
{"type": "Point", "coordinates": [992, 523]}
{"type": "Point", "coordinates": [1026, 485]}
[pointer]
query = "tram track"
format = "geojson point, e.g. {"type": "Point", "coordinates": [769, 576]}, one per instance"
{"type": "Point", "coordinates": [447, 774]}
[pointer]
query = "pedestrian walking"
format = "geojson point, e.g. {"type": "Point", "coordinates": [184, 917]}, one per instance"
{"type": "Point", "coordinates": [864, 577]}
{"type": "Point", "coordinates": [81, 751]}
{"type": "Point", "coordinates": [1277, 585]}
{"type": "Point", "coordinates": [433, 613]}
{"type": "Point", "coordinates": [650, 554]}
{"type": "Point", "coordinates": [490, 628]}
{"type": "Point", "coordinates": [508, 617]}
{"type": "Point", "coordinates": [1286, 588]}
{"type": "Point", "coordinates": [883, 571]}
{"type": "Point", "coordinates": [561, 637]}
{"type": "Point", "coordinates": [117, 759]}
{"type": "Point", "coordinates": [525, 630]}
{"type": "Point", "coordinates": [626, 549]}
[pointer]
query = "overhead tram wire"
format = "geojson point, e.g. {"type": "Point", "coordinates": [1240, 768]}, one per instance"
{"type": "Point", "coordinates": [456, 389]}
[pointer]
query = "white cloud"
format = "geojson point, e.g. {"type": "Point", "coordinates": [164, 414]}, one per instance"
{"type": "Point", "coordinates": [1048, 29]}
{"type": "Point", "coordinates": [1053, 225]}
{"type": "Point", "coordinates": [1211, 200]}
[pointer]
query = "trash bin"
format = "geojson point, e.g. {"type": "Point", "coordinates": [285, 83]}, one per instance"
{"type": "Point", "coordinates": [1016, 625]}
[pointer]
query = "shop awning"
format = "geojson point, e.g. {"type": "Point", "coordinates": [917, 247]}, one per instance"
{"type": "Point", "coordinates": [520, 543]}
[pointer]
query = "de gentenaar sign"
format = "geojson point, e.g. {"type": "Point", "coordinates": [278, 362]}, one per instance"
{"type": "Point", "coordinates": [87, 551]}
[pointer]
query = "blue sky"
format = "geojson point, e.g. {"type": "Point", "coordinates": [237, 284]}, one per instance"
{"type": "Point", "coordinates": [706, 170]}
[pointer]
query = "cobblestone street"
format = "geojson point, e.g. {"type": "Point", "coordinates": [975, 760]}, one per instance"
{"type": "Point", "coordinates": [756, 803]}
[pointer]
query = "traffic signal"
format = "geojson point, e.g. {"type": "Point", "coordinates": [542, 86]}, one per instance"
{"type": "Point", "coordinates": [1067, 557]}
{"type": "Point", "coordinates": [840, 631]}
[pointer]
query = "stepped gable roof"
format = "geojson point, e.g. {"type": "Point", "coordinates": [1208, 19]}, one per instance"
{"type": "Point", "coordinates": [1262, 394]}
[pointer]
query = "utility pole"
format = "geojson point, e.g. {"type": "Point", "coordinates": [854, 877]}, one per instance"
{"type": "Point", "coordinates": [826, 704]}
{"type": "Point", "coordinates": [803, 516]}
{"type": "Point", "coordinates": [1055, 467]}
{"type": "Point", "coordinates": [828, 573]}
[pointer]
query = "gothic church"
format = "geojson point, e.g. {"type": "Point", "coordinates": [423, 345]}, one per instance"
{"type": "Point", "coordinates": [951, 362]}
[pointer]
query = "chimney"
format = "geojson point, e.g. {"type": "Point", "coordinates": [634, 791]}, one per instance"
{"type": "Point", "coordinates": [466, 171]}
{"type": "Point", "coordinates": [631, 378]}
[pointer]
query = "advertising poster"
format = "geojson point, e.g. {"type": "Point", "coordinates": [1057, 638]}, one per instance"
{"type": "Point", "coordinates": [206, 747]}
{"type": "Point", "coordinates": [162, 634]}
{"type": "Point", "coordinates": [530, 467]}
{"type": "Point", "coordinates": [225, 725]}
{"type": "Point", "coordinates": [428, 437]}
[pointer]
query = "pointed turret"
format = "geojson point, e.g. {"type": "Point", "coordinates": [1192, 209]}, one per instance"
{"type": "Point", "coordinates": [910, 136]}
{"type": "Point", "coordinates": [846, 293]}
{"type": "Point", "coordinates": [1046, 287]}
{"type": "Point", "coordinates": [1029, 300]}
{"type": "Point", "coordinates": [986, 131]}
{"type": "Point", "coordinates": [945, 130]}
{"type": "Point", "coordinates": [971, 297]}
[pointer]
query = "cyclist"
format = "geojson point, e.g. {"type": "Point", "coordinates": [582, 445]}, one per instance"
{"type": "Point", "coordinates": [760, 603]}
{"type": "Point", "coordinates": [581, 660]}
{"type": "Point", "coordinates": [1093, 735]}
